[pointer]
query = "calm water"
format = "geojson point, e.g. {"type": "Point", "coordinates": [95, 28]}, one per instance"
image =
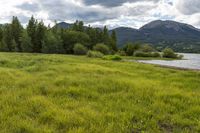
{"type": "Point", "coordinates": [191, 61]}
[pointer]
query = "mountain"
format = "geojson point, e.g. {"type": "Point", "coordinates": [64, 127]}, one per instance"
{"type": "Point", "coordinates": [179, 36]}
{"type": "Point", "coordinates": [157, 31]}
{"type": "Point", "coordinates": [125, 34]}
{"type": "Point", "coordinates": [64, 25]}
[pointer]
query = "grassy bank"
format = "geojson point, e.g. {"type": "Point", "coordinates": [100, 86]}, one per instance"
{"type": "Point", "coordinates": [60, 93]}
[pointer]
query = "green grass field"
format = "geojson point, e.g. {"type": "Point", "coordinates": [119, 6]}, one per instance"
{"type": "Point", "coordinates": [72, 94]}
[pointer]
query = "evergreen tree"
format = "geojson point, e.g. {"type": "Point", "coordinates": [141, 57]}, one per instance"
{"type": "Point", "coordinates": [40, 35]}
{"type": "Point", "coordinates": [36, 37]}
{"type": "Point", "coordinates": [8, 38]}
{"type": "Point", "coordinates": [52, 43]}
{"type": "Point", "coordinates": [100, 36]}
{"type": "Point", "coordinates": [31, 30]}
{"type": "Point", "coordinates": [75, 26]}
{"type": "Point", "coordinates": [1, 34]}
{"type": "Point", "coordinates": [14, 45]}
{"type": "Point", "coordinates": [17, 33]}
{"type": "Point", "coordinates": [93, 36]}
{"type": "Point", "coordinates": [26, 42]}
{"type": "Point", "coordinates": [55, 29]}
{"type": "Point", "coordinates": [3, 46]}
{"type": "Point", "coordinates": [114, 40]}
{"type": "Point", "coordinates": [81, 26]}
{"type": "Point", "coordinates": [105, 36]}
{"type": "Point", "coordinates": [78, 26]}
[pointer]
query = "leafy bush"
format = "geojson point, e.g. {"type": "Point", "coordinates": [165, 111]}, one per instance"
{"type": "Point", "coordinates": [51, 43]}
{"type": "Point", "coordinates": [169, 53]}
{"type": "Point", "coordinates": [146, 54]}
{"type": "Point", "coordinates": [147, 48]}
{"type": "Point", "coordinates": [101, 48]}
{"type": "Point", "coordinates": [130, 48]}
{"type": "Point", "coordinates": [79, 49]}
{"type": "Point", "coordinates": [142, 54]}
{"type": "Point", "coordinates": [112, 57]}
{"type": "Point", "coordinates": [156, 54]}
{"type": "Point", "coordinates": [70, 38]}
{"type": "Point", "coordinates": [121, 53]}
{"type": "Point", "coordinates": [94, 54]}
{"type": "Point", "coordinates": [180, 56]}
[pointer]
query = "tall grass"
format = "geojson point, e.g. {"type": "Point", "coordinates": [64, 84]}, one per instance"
{"type": "Point", "coordinates": [60, 93]}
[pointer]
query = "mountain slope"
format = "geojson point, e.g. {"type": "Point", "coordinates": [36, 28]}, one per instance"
{"type": "Point", "coordinates": [64, 25]}
{"type": "Point", "coordinates": [157, 31]}
{"type": "Point", "coordinates": [179, 36]}
{"type": "Point", "coordinates": [125, 34]}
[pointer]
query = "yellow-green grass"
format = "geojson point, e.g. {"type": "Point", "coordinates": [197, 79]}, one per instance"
{"type": "Point", "coordinates": [75, 94]}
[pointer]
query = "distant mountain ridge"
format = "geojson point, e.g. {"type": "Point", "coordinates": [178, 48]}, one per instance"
{"type": "Point", "coordinates": [179, 36]}
{"type": "Point", "coordinates": [64, 25]}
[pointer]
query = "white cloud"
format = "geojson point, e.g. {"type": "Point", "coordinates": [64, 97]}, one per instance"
{"type": "Point", "coordinates": [188, 7]}
{"type": "Point", "coordinates": [114, 13]}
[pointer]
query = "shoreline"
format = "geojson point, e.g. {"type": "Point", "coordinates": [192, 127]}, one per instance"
{"type": "Point", "coordinates": [172, 67]}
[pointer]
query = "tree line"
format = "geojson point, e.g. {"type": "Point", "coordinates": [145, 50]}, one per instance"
{"type": "Point", "coordinates": [38, 38]}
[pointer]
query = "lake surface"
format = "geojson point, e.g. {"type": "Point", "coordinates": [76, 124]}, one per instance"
{"type": "Point", "coordinates": [190, 61]}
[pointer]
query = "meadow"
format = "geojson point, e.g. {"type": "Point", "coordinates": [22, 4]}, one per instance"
{"type": "Point", "coordinates": [75, 94]}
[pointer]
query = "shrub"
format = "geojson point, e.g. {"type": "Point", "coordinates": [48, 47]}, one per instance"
{"type": "Point", "coordinates": [51, 44]}
{"type": "Point", "coordinates": [180, 56]}
{"type": "Point", "coordinates": [156, 54]}
{"type": "Point", "coordinates": [70, 38]}
{"type": "Point", "coordinates": [79, 49]}
{"type": "Point", "coordinates": [146, 54]}
{"type": "Point", "coordinates": [101, 48]}
{"type": "Point", "coordinates": [112, 57]}
{"type": "Point", "coordinates": [94, 54]}
{"type": "Point", "coordinates": [147, 48]}
{"type": "Point", "coordinates": [121, 53]}
{"type": "Point", "coordinates": [169, 53]}
{"type": "Point", "coordinates": [130, 48]}
{"type": "Point", "coordinates": [142, 54]}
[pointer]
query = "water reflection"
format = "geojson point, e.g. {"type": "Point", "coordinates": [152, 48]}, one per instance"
{"type": "Point", "coordinates": [191, 61]}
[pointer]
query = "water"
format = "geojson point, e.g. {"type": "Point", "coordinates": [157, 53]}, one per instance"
{"type": "Point", "coordinates": [190, 61]}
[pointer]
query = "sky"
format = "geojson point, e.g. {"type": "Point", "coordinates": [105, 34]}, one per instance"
{"type": "Point", "coordinates": [112, 13]}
